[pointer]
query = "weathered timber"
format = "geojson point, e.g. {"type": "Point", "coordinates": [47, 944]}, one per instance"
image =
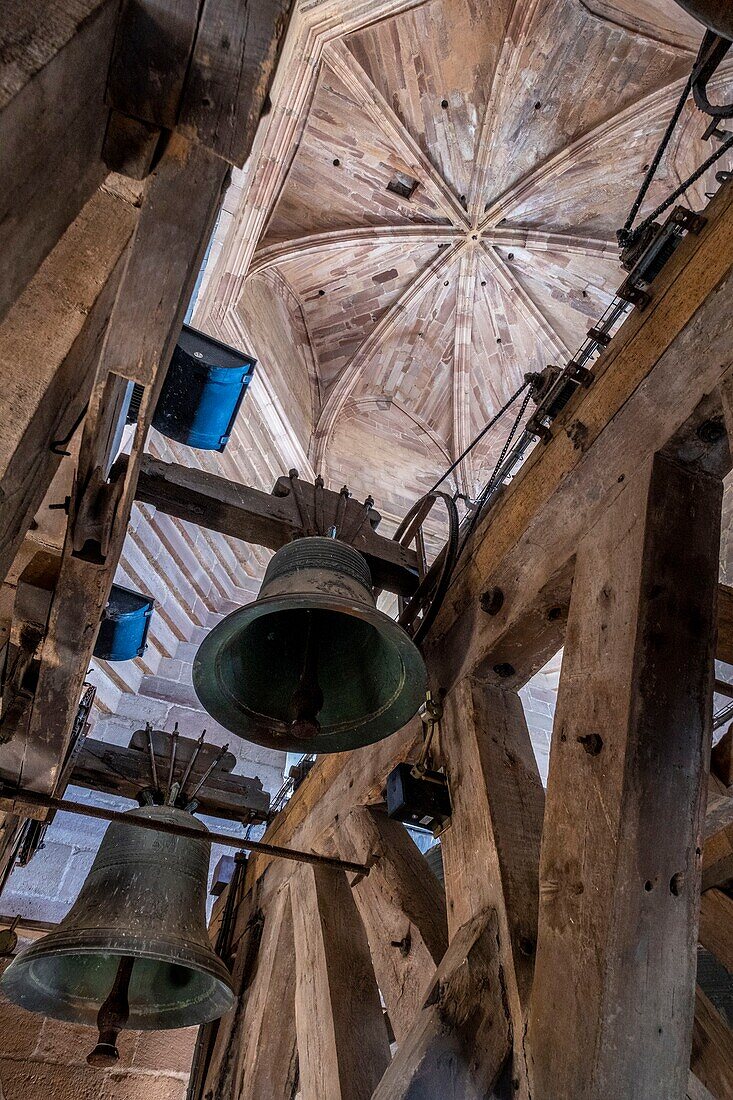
{"type": "Point", "coordinates": [491, 848]}
{"type": "Point", "coordinates": [647, 383]}
{"type": "Point", "coordinates": [254, 1054]}
{"type": "Point", "coordinates": [719, 806]}
{"type": "Point", "coordinates": [402, 907]}
{"type": "Point", "coordinates": [457, 1045]}
{"type": "Point", "coordinates": [53, 70]}
{"type": "Point", "coordinates": [343, 1048]}
{"type": "Point", "coordinates": [724, 651]}
{"type": "Point", "coordinates": [112, 769]}
{"type": "Point", "coordinates": [721, 758]}
{"type": "Point", "coordinates": [619, 897]}
{"type": "Point", "coordinates": [179, 206]}
{"type": "Point", "coordinates": [715, 931]}
{"type": "Point", "coordinates": [696, 1090]}
{"type": "Point", "coordinates": [217, 1059]}
{"type": "Point", "coordinates": [712, 1048]}
{"type": "Point", "coordinates": [234, 58]}
{"type": "Point", "coordinates": [338, 783]}
{"type": "Point", "coordinates": [717, 859]}
{"type": "Point", "coordinates": [49, 348]}
{"type": "Point", "coordinates": [150, 59]}
{"type": "Point", "coordinates": [268, 1038]}
{"type": "Point", "coordinates": [130, 145]}
{"type": "Point", "coordinates": [265, 519]}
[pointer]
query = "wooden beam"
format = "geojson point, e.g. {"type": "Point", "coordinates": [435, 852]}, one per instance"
{"type": "Point", "coordinates": [724, 651]}
{"type": "Point", "coordinates": [269, 1050]}
{"type": "Point", "coordinates": [342, 1037]}
{"type": "Point", "coordinates": [619, 896]}
{"type": "Point", "coordinates": [402, 907]}
{"type": "Point", "coordinates": [151, 54]}
{"type": "Point", "coordinates": [49, 349]}
{"type": "Point", "coordinates": [52, 113]}
{"type": "Point", "coordinates": [712, 1048]}
{"type": "Point", "coordinates": [112, 769]}
{"type": "Point", "coordinates": [229, 78]}
{"type": "Point", "coordinates": [459, 1042]}
{"type": "Point", "coordinates": [717, 859]}
{"type": "Point", "coordinates": [218, 1056]}
{"type": "Point", "coordinates": [696, 1090]}
{"type": "Point", "coordinates": [715, 931]}
{"type": "Point", "coordinates": [491, 848]}
{"type": "Point", "coordinates": [178, 209]}
{"type": "Point", "coordinates": [254, 1053]}
{"type": "Point", "coordinates": [265, 519]}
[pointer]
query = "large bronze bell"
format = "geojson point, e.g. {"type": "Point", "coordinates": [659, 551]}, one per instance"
{"type": "Point", "coordinates": [311, 665]}
{"type": "Point", "coordinates": [137, 930]}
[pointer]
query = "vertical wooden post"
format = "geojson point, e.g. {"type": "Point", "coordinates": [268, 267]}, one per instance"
{"type": "Point", "coordinates": [402, 906]}
{"type": "Point", "coordinates": [342, 1037]}
{"type": "Point", "coordinates": [491, 849]}
{"type": "Point", "coordinates": [267, 1055]}
{"type": "Point", "coordinates": [612, 1002]}
{"type": "Point", "coordinates": [712, 1048]}
{"type": "Point", "coordinates": [460, 1039]}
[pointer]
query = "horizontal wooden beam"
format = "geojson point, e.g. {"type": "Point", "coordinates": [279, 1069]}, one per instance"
{"type": "Point", "coordinates": [112, 769]}
{"type": "Point", "coordinates": [53, 71]}
{"type": "Point", "coordinates": [265, 519]}
{"type": "Point", "coordinates": [49, 349]}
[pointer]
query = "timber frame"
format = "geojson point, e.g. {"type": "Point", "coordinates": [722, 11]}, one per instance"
{"type": "Point", "coordinates": [559, 962]}
{"type": "Point", "coordinates": [594, 543]}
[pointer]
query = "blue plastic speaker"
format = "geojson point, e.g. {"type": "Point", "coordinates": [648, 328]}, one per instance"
{"type": "Point", "coordinates": [203, 391]}
{"type": "Point", "coordinates": [123, 630]}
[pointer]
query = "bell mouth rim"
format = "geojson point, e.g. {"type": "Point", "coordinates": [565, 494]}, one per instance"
{"type": "Point", "coordinates": [14, 982]}
{"type": "Point", "coordinates": [276, 733]}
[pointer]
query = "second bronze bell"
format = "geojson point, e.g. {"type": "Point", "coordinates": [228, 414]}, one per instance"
{"type": "Point", "coordinates": [135, 941]}
{"type": "Point", "coordinates": [312, 665]}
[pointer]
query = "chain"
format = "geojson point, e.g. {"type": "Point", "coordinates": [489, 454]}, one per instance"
{"type": "Point", "coordinates": [626, 236]}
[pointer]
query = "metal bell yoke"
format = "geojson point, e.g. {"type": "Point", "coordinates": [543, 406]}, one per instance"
{"type": "Point", "coordinates": [311, 665]}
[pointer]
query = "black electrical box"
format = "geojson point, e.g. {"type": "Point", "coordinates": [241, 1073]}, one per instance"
{"type": "Point", "coordinates": [421, 801]}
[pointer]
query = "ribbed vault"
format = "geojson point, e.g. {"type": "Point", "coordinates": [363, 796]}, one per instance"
{"type": "Point", "coordinates": [526, 127]}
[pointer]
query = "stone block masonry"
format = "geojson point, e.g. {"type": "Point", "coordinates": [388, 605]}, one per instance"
{"type": "Point", "coordinates": [43, 1059]}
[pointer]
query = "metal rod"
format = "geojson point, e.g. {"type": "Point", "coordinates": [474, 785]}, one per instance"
{"type": "Point", "coordinates": [191, 763]}
{"type": "Point", "coordinates": [214, 764]}
{"type": "Point", "coordinates": [172, 765]}
{"type": "Point", "coordinates": [153, 769]}
{"type": "Point", "coordinates": [30, 800]}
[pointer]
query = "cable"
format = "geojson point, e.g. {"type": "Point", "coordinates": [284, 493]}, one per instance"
{"type": "Point", "coordinates": [481, 434]}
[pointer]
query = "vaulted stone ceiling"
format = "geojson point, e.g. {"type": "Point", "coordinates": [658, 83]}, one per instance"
{"type": "Point", "coordinates": [400, 324]}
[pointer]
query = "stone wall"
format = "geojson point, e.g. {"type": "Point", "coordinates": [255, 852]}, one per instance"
{"type": "Point", "coordinates": [44, 1059]}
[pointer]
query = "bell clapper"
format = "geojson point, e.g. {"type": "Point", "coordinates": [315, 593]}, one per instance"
{"type": "Point", "coordinates": [307, 699]}
{"type": "Point", "coordinates": [112, 1016]}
